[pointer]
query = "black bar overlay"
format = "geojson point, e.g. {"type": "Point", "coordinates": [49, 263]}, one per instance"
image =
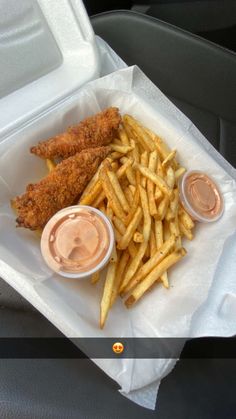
{"type": "Point", "coordinates": [140, 348]}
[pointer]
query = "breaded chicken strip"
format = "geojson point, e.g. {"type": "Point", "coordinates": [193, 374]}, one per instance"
{"type": "Point", "coordinates": [59, 189]}
{"type": "Point", "coordinates": [95, 131]}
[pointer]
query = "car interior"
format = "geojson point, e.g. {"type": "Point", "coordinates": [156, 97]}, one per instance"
{"type": "Point", "coordinates": [187, 48]}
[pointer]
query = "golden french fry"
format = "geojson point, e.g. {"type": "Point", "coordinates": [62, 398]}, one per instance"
{"type": "Point", "coordinates": [164, 279]}
{"type": "Point", "coordinates": [121, 266]}
{"type": "Point", "coordinates": [129, 172]}
{"type": "Point", "coordinates": [116, 155]}
{"type": "Point", "coordinates": [184, 231]}
{"type": "Point", "coordinates": [159, 243]}
{"type": "Point", "coordinates": [50, 164]}
{"type": "Point", "coordinates": [134, 204]}
{"type": "Point", "coordinates": [159, 255]}
{"type": "Point", "coordinates": [147, 252]}
{"type": "Point", "coordinates": [109, 212]}
{"type": "Point", "coordinates": [122, 170]}
{"type": "Point", "coordinates": [147, 282]}
{"type": "Point", "coordinates": [120, 173]}
{"type": "Point", "coordinates": [135, 151]}
{"type": "Point", "coordinates": [158, 233]}
{"type": "Point", "coordinates": [169, 215]}
{"type": "Point", "coordinates": [162, 208]}
{"type": "Point", "coordinates": [146, 214]}
{"type": "Point", "coordinates": [129, 132]}
{"type": "Point", "coordinates": [178, 243]}
{"type": "Point", "coordinates": [138, 237]}
{"type": "Point", "coordinates": [141, 133]}
{"type": "Point", "coordinates": [144, 162]}
{"type": "Point", "coordinates": [174, 204]}
{"type": "Point", "coordinates": [95, 277]}
{"type": "Point", "coordinates": [157, 194]}
{"type": "Point", "coordinates": [150, 185]}
{"type": "Point", "coordinates": [114, 256]}
{"type": "Point", "coordinates": [152, 244]}
{"type": "Point", "coordinates": [166, 230]}
{"type": "Point", "coordinates": [132, 250]}
{"type": "Point", "coordinates": [185, 218]}
{"type": "Point", "coordinates": [160, 171]}
{"type": "Point", "coordinates": [117, 233]}
{"type": "Point", "coordinates": [131, 176]}
{"type": "Point", "coordinates": [100, 198]}
{"type": "Point", "coordinates": [162, 147]}
{"type": "Point", "coordinates": [133, 189]}
{"type": "Point", "coordinates": [92, 195]}
{"type": "Point", "coordinates": [111, 195]}
{"type": "Point", "coordinates": [168, 160]}
{"type": "Point", "coordinates": [114, 166]}
{"type": "Point", "coordinates": [117, 142]}
{"type": "Point", "coordinates": [133, 266]}
{"type": "Point", "coordinates": [160, 182]}
{"type": "Point", "coordinates": [179, 172]}
{"type": "Point", "coordinates": [133, 135]}
{"type": "Point", "coordinates": [123, 149]}
{"type": "Point", "coordinates": [170, 177]}
{"type": "Point", "coordinates": [119, 225]}
{"type": "Point", "coordinates": [102, 208]}
{"type": "Point", "coordinates": [91, 184]}
{"type": "Point", "coordinates": [131, 228]}
{"type": "Point", "coordinates": [120, 194]}
{"type": "Point", "coordinates": [174, 226]}
{"type": "Point", "coordinates": [107, 292]}
{"type": "Point", "coordinates": [123, 136]}
{"type": "Point", "coordinates": [129, 196]}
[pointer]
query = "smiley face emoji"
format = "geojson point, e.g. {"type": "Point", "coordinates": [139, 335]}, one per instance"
{"type": "Point", "coordinates": [118, 347]}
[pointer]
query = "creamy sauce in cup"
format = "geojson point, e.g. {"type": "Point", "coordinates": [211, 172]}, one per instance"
{"type": "Point", "coordinates": [200, 196]}
{"type": "Point", "coordinates": [77, 241]}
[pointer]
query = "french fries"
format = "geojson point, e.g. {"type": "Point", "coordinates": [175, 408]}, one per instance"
{"type": "Point", "coordinates": [138, 237]}
{"type": "Point", "coordinates": [120, 194]}
{"type": "Point", "coordinates": [107, 292]}
{"type": "Point", "coordinates": [137, 188]}
{"type": "Point", "coordinates": [131, 228]}
{"type": "Point", "coordinates": [141, 288]}
{"type": "Point", "coordinates": [95, 277]}
{"type": "Point", "coordinates": [111, 195]}
{"type": "Point", "coordinates": [151, 263]}
{"type": "Point", "coordinates": [121, 148]}
{"type": "Point", "coordinates": [50, 165]}
{"type": "Point", "coordinates": [150, 185]}
{"type": "Point", "coordinates": [159, 181]}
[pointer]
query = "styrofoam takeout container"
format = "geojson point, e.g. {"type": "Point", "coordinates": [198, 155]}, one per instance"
{"type": "Point", "coordinates": [47, 106]}
{"type": "Point", "coordinates": [47, 52]}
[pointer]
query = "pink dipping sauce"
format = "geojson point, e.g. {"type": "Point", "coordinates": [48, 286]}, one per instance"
{"type": "Point", "coordinates": [200, 196]}
{"type": "Point", "coordinates": [77, 241]}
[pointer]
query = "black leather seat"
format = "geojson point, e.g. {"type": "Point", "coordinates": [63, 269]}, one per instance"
{"type": "Point", "coordinates": [201, 79]}
{"type": "Point", "coordinates": [197, 75]}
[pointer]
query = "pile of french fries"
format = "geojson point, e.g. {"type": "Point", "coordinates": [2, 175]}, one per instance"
{"type": "Point", "coordinates": [136, 186]}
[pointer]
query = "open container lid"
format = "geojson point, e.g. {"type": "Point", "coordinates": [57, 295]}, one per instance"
{"type": "Point", "coordinates": [47, 52]}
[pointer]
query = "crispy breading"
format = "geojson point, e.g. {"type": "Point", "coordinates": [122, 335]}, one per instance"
{"type": "Point", "coordinates": [95, 131]}
{"type": "Point", "coordinates": [59, 189]}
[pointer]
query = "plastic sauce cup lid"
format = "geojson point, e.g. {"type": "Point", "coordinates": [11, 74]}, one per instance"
{"type": "Point", "coordinates": [200, 196]}
{"type": "Point", "coordinates": [77, 241]}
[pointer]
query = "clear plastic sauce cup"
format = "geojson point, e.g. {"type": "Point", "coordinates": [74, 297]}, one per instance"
{"type": "Point", "coordinates": [200, 196]}
{"type": "Point", "coordinates": [77, 241]}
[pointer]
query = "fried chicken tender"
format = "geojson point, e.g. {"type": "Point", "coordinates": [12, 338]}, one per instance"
{"type": "Point", "coordinates": [95, 131]}
{"type": "Point", "coordinates": [59, 189]}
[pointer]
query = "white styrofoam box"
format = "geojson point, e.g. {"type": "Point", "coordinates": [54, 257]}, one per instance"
{"type": "Point", "coordinates": [47, 51]}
